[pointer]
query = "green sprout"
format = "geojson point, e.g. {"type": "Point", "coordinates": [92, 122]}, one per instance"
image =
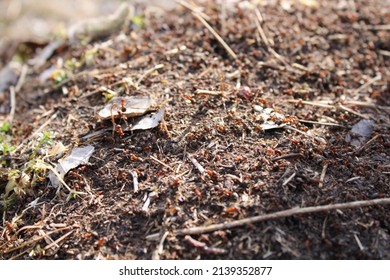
{"type": "Point", "coordinates": [138, 21]}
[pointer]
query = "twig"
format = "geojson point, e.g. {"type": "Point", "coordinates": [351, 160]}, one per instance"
{"type": "Point", "coordinates": [162, 163]}
{"type": "Point", "coordinates": [258, 21]}
{"type": "Point", "coordinates": [35, 133]}
{"type": "Point", "coordinates": [368, 83]}
{"type": "Point", "coordinates": [188, 6]}
{"type": "Point", "coordinates": [285, 156]}
{"type": "Point", "coordinates": [202, 246]}
{"type": "Point", "coordinates": [209, 92]}
{"type": "Point", "coordinates": [358, 242]}
{"type": "Point", "coordinates": [196, 163]}
{"type": "Point", "coordinates": [33, 240]}
{"type": "Point", "coordinates": [384, 53]}
{"type": "Point", "coordinates": [283, 214]}
{"type": "Point", "coordinates": [158, 66]}
{"type": "Point", "coordinates": [159, 250]}
{"type": "Point", "coordinates": [13, 104]}
{"type": "Point", "coordinates": [366, 104]}
{"type": "Point", "coordinates": [58, 240]}
{"type": "Point", "coordinates": [22, 78]}
{"type": "Point", "coordinates": [379, 27]}
{"type": "Point", "coordinates": [322, 123]}
{"type": "Point", "coordinates": [47, 238]}
{"type": "Point", "coordinates": [322, 177]}
{"type": "Point", "coordinates": [353, 179]}
{"type": "Point", "coordinates": [135, 180]}
{"type": "Point", "coordinates": [368, 143]}
{"type": "Point", "coordinates": [219, 38]}
{"type": "Point", "coordinates": [176, 50]}
{"type": "Point", "coordinates": [289, 179]}
{"type": "Point", "coordinates": [319, 139]}
{"type": "Point", "coordinates": [323, 234]}
{"type": "Point", "coordinates": [341, 106]}
{"type": "Point", "coordinates": [318, 104]}
{"type": "Point", "coordinates": [151, 197]}
{"type": "Point", "coordinates": [59, 177]}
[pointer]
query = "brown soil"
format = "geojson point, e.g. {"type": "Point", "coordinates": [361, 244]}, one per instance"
{"type": "Point", "coordinates": [314, 54]}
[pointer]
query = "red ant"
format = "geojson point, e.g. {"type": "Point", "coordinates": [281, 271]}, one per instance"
{"type": "Point", "coordinates": [117, 127]}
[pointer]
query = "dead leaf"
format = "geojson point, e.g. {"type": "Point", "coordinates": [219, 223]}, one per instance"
{"type": "Point", "coordinates": [129, 106]}
{"type": "Point", "coordinates": [360, 132]}
{"type": "Point", "coordinates": [149, 121]}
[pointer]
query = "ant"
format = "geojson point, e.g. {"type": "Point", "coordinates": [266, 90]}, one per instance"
{"type": "Point", "coordinates": [120, 113]}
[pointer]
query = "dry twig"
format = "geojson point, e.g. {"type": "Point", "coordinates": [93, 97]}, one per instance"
{"type": "Point", "coordinates": [216, 35]}
{"type": "Point", "coordinates": [283, 214]}
{"type": "Point", "coordinates": [189, 7]}
{"type": "Point", "coordinates": [55, 243]}
{"type": "Point", "coordinates": [35, 133]}
{"type": "Point", "coordinates": [368, 83]}
{"type": "Point", "coordinates": [209, 92]}
{"type": "Point", "coordinates": [196, 163]}
{"type": "Point", "coordinates": [322, 177]}
{"type": "Point", "coordinates": [135, 180]}
{"type": "Point", "coordinates": [148, 72]}
{"type": "Point", "coordinates": [162, 163]}
{"type": "Point", "coordinates": [13, 104]}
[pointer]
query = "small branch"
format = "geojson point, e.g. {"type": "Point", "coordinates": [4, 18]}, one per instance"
{"type": "Point", "coordinates": [368, 143]}
{"type": "Point", "coordinates": [379, 27]}
{"type": "Point", "coordinates": [58, 240]}
{"type": "Point", "coordinates": [317, 104]}
{"type": "Point", "coordinates": [159, 250]}
{"type": "Point", "coordinates": [219, 38]}
{"type": "Point", "coordinates": [22, 78]}
{"type": "Point", "coordinates": [203, 247]}
{"type": "Point", "coordinates": [366, 105]}
{"type": "Point", "coordinates": [322, 177]}
{"type": "Point", "coordinates": [322, 123]}
{"type": "Point", "coordinates": [13, 104]}
{"type": "Point", "coordinates": [36, 239]}
{"type": "Point", "coordinates": [368, 83]}
{"type": "Point", "coordinates": [209, 92]}
{"type": "Point", "coordinates": [151, 197]}
{"type": "Point", "coordinates": [188, 6]}
{"type": "Point", "coordinates": [162, 163]}
{"type": "Point", "coordinates": [176, 50]}
{"type": "Point", "coordinates": [135, 180]}
{"type": "Point", "coordinates": [196, 163]}
{"type": "Point", "coordinates": [286, 156]}
{"type": "Point", "coordinates": [35, 133]}
{"type": "Point", "coordinates": [289, 179]}
{"type": "Point", "coordinates": [148, 72]}
{"type": "Point", "coordinates": [319, 139]}
{"type": "Point", "coordinates": [258, 21]}
{"type": "Point", "coordinates": [283, 214]}
{"type": "Point", "coordinates": [384, 53]}
{"type": "Point", "coordinates": [358, 242]}
{"type": "Point", "coordinates": [349, 110]}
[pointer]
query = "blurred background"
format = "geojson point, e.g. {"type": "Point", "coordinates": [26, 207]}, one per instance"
{"type": "Point", "coordinates": [37, 19]}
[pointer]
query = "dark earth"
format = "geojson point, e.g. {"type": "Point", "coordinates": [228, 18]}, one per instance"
{"type": "Point", "coordinates": [320, 66]}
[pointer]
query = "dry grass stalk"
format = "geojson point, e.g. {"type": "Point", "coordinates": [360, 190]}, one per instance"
{"type": "Point", "coordinates": [209, 92]}
{"type": "Point", "coordinates": [322, 177]}
{"type": "Point", "coordinates": [283, 214]}
{"type": "Point", "coordinates": [135, 180]}
{"type": "Point", "coordinates": [162, 163]}
{"type": "Point", "coordinates": [216, 35]}
{"type": "Point", "coordinates": [196, 163]}
{"type": "Point", "coordinates": [148, 72]}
